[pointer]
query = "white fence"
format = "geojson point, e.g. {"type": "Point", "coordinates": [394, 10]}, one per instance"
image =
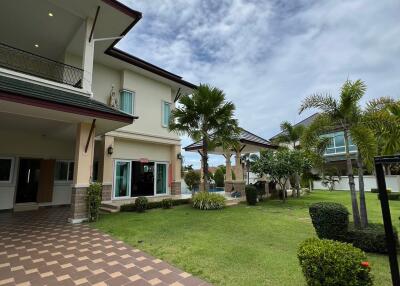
{"type": "Point", "coordinates": [392, 182]}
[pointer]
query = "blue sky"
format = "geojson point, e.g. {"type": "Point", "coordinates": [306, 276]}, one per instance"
{"type": "Point", "coordinates": [269, 55]}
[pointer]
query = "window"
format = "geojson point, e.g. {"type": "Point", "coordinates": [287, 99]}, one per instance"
{"type": "Point", "coordinates": [166, 113]}
{"type": "Point", "coordinates": [336, 144]}
{"type": "Point", "coordinates": [122, 183]}
{"type": "Point", "coordinates": [126, 101]}
{"type": "Point", "coordinates": [6, 168]}
{"type": "Point", "coordinates": [64, 171]}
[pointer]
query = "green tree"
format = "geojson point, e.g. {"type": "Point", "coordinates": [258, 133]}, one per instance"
{"type": "Point", "coordinates": [346, 114]}
{"type": "Point", "coordinates": [192, 179]}
{"type": "Point", "coordinates": [219, 178]}
{"type": "Point", "coordinates": [207, 116]}
{"type": "Point", "coordinates": [291, 135]}
{"type": "Point", "coordinates": [280, 165]}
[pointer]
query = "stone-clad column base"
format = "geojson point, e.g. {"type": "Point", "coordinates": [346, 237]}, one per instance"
{"type": "Point", "coordinates": [78, 205]}
{"type": "Point", "coordinates": [106, 192]}
{"type": "Point", "coordinates": [235, 186]}
{"type": "Point", "coordinates": [175, 188]}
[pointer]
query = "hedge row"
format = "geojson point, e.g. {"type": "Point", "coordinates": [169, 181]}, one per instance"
{"type": "Point", "coordinates": [155, 205]}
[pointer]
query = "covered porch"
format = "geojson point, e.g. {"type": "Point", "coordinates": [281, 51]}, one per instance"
{"type": "Point", "coordinates": [47, 146]}
{"type": "Point", "coordinates": [247, 143]}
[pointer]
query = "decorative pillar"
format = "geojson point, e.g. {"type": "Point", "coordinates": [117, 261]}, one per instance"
{"type": "Point", "coordinates": [238, 167]}
{"type": "Point", "coordinates": [238, 184]}
{"type": "Point", "coordinates": [176, 170]}
{"type": "Point", "coordinates": [82, 171]}
{"type": "Point", "coordinates": [87, 60]}
{"type": "Point", "coordinates": [106, 167]}
{"type": "Point", "coordinates": [228, 184]}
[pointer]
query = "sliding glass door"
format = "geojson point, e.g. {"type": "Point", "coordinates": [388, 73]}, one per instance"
{"type": "Point", "coordinates": [122, 183]}
{"type": "Point", "coordinates": [161, 178]}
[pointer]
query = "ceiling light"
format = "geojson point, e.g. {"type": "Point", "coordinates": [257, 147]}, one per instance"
{"type": "Point", "coordinates": [36, 45]}
{"type": "Point", "coordinates": [51, 14]}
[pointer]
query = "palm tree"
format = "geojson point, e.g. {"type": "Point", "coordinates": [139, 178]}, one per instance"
{"type": "Point", "coordinates": [207, 116]}
{"type": "Point", "coordinates": [345, 114]}
{"type": "Point", "coordinates": [291, 135]}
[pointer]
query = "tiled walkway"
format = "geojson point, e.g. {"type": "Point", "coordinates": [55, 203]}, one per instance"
{"type": "Point", "coordinates": [40, 248]}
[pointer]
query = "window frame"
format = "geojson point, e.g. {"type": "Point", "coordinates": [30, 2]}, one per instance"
{"type": "Point", "coordinates": [128, 196]}
{"type": "Point", "coordinates": [68, 169]}
{"type": "Point", "coordinates": [167, 189]}
{"type": "Point", "coordinates": [332, 136]}
{"type": "Point", "coordinates": [163, 103]}
{"type": "Point", "coordinates": [133, 93]}
{"type": "Point", "coordinates": [12, 167]}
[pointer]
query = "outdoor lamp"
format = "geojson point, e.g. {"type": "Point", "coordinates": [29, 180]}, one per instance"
{"type": "Point", "coordinates": [179, 156]}
{"type": "Point", "coordinates": [110, 150]}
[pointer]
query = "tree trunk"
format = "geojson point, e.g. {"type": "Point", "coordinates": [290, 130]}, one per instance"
{"type": "Point", "coordinates": [363, 205]}
{"type": "Point", "coordinates": [298, 184]}
{"type": "Point", "coordinates": [283, 188]}
{"type": "Point", "coordinates": [354, 204]}
{"type": "Point", "coordinates": [204, 156]}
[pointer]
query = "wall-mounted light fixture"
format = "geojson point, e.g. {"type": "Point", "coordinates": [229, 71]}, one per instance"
{"type": "Point", "coordinates": [179, 156]}
{"type": "Point", "coordinates": [110, 150]}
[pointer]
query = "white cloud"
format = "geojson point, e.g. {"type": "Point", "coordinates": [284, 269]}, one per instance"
{"type": "Point", "coordinates": [268, 55]}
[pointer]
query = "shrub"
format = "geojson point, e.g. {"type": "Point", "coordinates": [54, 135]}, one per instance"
{"type": "Point", "coordinates": [166, 203]}
{"type": "Point", "coordinates": [251, 195]}
{"type": "Point", "coordinates": [332, 263]}
{"type": "Point", "coordinates": [93, 201]}
{"type": "Point", "coordinates": [330, 220]}
{"type": "Point", "coordinates": [391, 196]}
{"type": "Point", "coordinates": [219, 178]}
{"type": "Point", "coordinates": [208, 201]}
{"type": "Point", "coordinates": [260, 186]}
{"type": "Point", "coordinates": [141, 204]}
{"type": "Point", "coordinates": [153, 205]}
{"type": "Point", "coordinates": [370, 239]}
{"type": "Point", "coordinates": [374, 190]}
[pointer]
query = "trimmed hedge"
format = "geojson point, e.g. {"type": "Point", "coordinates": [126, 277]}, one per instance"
{"type": "Point", "coordinates": [251, 195]}
{"type": "Point", "coordinates": [208, 201]}
{"type": "Point", "coordinates": [93, 201]}
{"type": "Point", "coordinates": [166, 203]}
{"type": "Point", "coordinates": [370, 239]}
{"type": "Point", "coordinates": [391, 196]}
{"type": "Point", "coordinates": [141, 204]}
{"type": "Point", "coordinates": [376, 191]}
{"type": "Point", "coordinates": [330, 220]}
{"type": "Point", "coordinates": [153, 205]}
{"type": "Point", "coordinates": [332, 263]}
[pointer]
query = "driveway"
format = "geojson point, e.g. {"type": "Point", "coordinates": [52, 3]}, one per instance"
{"type": "Point", "coordinates": [41, 248]}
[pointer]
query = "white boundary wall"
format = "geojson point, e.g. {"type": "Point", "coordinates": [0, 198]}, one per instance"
{"type": "Point", "coordinates": [392, 182]}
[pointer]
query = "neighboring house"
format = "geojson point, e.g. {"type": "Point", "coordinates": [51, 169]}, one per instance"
{"type": "Point", "coordinates": [75, 109]}
{"type": "Point", "coordinates": [335, 153]}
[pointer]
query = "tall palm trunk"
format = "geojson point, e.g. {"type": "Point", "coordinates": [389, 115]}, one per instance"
{"type": "Point", "coordinates": [354, 204]}
{"type": "Point", "coordinates": [204, 157]}
{"type": "Point", "coordinates": [363, 205]}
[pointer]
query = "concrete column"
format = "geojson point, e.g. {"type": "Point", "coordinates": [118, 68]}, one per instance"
{"type": "Point", "coordinates": [176, 170]}
{"type": "Point", "coordinates": [87, 60]}
{"type": "Point", "coordinates": [238, 167]}
{"type": "Point", "coordinates": [106, 168]}
{"type": "Point", "coordinates": [82, 172]}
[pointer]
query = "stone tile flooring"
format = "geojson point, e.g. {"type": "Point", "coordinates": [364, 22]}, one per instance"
{"type": "Point", "coordinates": [41, 248]}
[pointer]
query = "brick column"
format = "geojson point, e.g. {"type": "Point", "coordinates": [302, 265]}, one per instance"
{"type": "Point", "coordinates": [228, 174]}
{"type": "Point", "coordinates": [106, 168]}
{"type": "Point", "coordinates": [176, 165]}
{"type": "Point", "coordinates": [82, 172]}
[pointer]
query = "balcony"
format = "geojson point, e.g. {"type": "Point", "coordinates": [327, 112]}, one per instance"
{"type": "Point", "coordinates": [28, 63]}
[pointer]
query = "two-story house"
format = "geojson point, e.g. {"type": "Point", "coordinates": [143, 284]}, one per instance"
{"type": "Point", "coordinates": [335, 153]}
{"type": "Point", "coordinates": [76, 109]}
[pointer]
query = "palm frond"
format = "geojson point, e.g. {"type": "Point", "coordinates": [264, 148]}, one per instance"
{"type": "Point", "coordinates": [324, 102]}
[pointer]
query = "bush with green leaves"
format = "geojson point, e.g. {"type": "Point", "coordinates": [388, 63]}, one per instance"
{"type": "Point", "coordinates": [391, 196]}
{"type": "Point", "coordinates": [153, 205]}
{"type": "Point", "coordinates": [141, 204]}
{"type": "Point", "coordinates": [370, 239]}
{"type": "Point", "coordinates": [251, 195]}
{"type": "Point", "coordinates": [330, 220]}
{"type": "Point", "coordinates": [93, 200]}
{"type": "Point", "coordinates": [166, 203]}
{"type": "Point", "coordinates": [208, 201]}
{"type": "Point", "coordinates": [376, 191]}
{"type": "Point", "coordinates": [333, 263]}
{"type": "Point", "coordinates": [219, 177]}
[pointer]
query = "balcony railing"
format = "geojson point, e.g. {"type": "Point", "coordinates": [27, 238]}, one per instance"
{"type": "Point", "coordinates": [28, 63]}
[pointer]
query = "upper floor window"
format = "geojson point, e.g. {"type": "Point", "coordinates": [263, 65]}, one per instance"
{"type": "Point", "coordinates": [337, 144]}
{"type": "Point", "coordinates": [127, 101]}
{"type": "Point", "coordinates": [6, 168]}
{"type": "Point", "coordinates": [64, 171]}
{"type": "Point", "coordinates": [166, 113]}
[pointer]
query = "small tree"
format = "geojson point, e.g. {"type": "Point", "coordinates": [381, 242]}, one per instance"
{"type": "Point", "coordinates": [192, 179]}
{"type": "Point", "coordinates": [219, 177]}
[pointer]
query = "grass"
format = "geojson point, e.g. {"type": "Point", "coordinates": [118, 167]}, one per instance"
{"type": "Point", "coordinates": [239, 245]}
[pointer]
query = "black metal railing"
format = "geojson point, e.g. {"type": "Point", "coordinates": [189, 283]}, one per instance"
{"type": "Point", "coordinates": [26, 62]}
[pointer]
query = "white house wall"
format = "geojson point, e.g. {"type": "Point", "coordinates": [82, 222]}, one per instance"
{"type": "Point", "coordinates": [134, 150]}
{"type": "Point", "coordinates": [392, 182]}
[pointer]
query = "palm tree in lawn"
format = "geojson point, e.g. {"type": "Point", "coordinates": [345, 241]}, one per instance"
{"type": "Point", "coordinates": [346, 114]}
{"type": "Point", "coordinates": [207, 116]}
{"type": "Point", "coordinates": [290, 135]}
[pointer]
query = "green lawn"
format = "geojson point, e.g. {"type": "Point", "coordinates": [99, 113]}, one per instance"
{"type": "Point", "coordinates": [239, 245]}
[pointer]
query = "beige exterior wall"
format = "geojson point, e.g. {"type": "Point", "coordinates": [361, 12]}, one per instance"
{"type": "Point", "coordinates": [135, 150]}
